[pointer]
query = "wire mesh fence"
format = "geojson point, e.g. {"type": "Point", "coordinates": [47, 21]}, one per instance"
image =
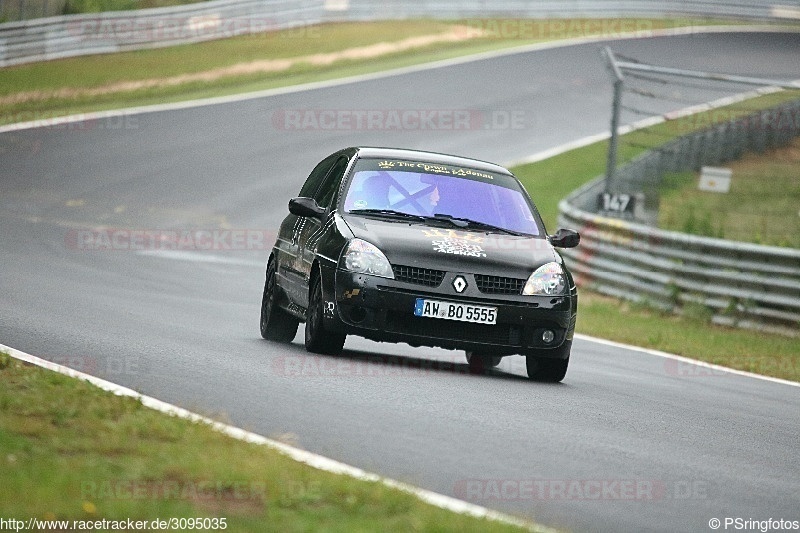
{"type": "Point", "coordinates": [733, 282]}
{"type": "Point", "coordinates": [756, 199]}
{"type": "Point", "coordinates": [643, 177]}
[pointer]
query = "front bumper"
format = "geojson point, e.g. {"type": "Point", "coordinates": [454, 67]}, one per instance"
{"type": "Point", "coordinates": [382, 309]}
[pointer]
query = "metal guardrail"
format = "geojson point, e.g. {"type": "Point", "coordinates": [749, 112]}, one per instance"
{"type": "Point", "coordinates": [738, 284]}
{"type": "Point", "coordinates": [73, 35]}
{"type": "Point", "coordinates": [117, 31]}
{"type": "Point", "coordinates": [480, 9]}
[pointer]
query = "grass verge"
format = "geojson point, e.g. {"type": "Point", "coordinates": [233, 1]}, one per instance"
{"type": "Point", "coordinates": [228, 66]}
{"type": "Point", "coordinates": [554, 178]}
{"type": "Point", "coordinates": [71, 451]}
{"type": "Point", "coordinates": [762, 206]}
{"type": "Point", "coordinates": [692, 335]}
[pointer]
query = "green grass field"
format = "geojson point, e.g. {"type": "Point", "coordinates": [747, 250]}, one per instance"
{"type": "Point", "coordinates": [763, 205]}
{"type": "Point", "coordinates": [92, 83]}
{"type": "Point", "coordinates": [70, 451]}
{"type": "Point", "coordinates": [553, 179]}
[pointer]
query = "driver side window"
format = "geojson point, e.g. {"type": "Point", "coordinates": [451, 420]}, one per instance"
{"type": "Point", "coordinates": [314, 180]}
{"type": "Point", "coordinates": [330, 185]}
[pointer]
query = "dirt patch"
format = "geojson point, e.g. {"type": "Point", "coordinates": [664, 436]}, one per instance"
{"type": "Point", "coordinates": [456, 34]}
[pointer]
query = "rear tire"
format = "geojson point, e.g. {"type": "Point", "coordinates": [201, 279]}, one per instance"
{"type": "Point", "coordinates": [479, 363]}
{"type": "Point", "coordinates": [276, 324]}
{"type": "Point", "coordinates": [318, 339]}
{"type": "Point", "coordinates": [549, 369]}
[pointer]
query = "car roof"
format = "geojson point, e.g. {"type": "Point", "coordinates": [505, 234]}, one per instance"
{"type": "Point", "coordinates": [372, 152]}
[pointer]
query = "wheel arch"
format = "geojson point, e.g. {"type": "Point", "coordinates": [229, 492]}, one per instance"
{"type": "Point", "coordinates": [284, 300]}
{"type": "Point", "coordinates": [326, 273]}
{"type": "Point", "coordinates": [313, 274]}
{"type": "Point", "coordinates": [272, 257]}
{"type": "Point", "coordinates": [327, 277]}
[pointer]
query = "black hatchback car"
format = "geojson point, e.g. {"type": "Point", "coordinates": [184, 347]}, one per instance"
{"type": "Point", "coordinates": [423, 248]}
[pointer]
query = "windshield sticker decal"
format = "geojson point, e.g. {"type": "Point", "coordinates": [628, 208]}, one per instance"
{"type": "Point", "coordinates": [452, 242]}
{"type": "Point", "coordinates": [431, 168]}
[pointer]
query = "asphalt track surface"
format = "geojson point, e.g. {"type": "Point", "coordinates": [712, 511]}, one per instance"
{"type": "Point", "coordinates": [629, 442]}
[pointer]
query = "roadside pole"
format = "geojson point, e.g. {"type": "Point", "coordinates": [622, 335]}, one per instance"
{"type": "Point", "coordinates": [611, 163]}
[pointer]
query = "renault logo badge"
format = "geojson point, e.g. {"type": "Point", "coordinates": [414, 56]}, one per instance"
{"type": "Point", "coordinates": [459, 284]}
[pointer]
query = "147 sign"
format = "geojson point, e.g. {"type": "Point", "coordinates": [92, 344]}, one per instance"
{"type": "Point", "coordinates": [618, 204]}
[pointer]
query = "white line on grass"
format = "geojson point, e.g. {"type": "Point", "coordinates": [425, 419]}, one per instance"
{"type": "Point", "coordinates": [702, 364]}
{"type": "Point", "coordinates": [669, 32]}
{"type": "Point", "coordinates": [316, 461]}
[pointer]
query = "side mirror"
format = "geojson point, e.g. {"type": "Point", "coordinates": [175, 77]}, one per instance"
{"type": "Point", "coordinates": [565, 238]}
{"type": "Point", "coordinates": [306, 207]}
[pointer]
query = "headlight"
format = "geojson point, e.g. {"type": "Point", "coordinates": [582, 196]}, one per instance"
{"type": "Point", "coordinates": [365, 258]}
{"type": "Point", "coordinates": [548, 280]}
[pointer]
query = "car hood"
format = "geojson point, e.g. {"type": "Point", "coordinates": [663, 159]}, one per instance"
{"type": "Point", "coordinates": [445, 248]}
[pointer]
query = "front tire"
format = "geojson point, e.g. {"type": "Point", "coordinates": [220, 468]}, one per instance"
{"type": "Point", "coordinates": [318, 339]}
{"type": "Point", "coordinates": [479, 363]}
{"type": "Point", "coordinates": [549, 369]}
{"type": "Point", "coordinates": [276, 324]}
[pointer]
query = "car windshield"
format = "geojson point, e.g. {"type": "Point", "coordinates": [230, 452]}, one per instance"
{"type": "Point", "coordinates": [461, 196]}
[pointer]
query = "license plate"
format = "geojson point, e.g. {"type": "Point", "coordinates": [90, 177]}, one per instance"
{"type": "Point", "coordinates": [455, 311]}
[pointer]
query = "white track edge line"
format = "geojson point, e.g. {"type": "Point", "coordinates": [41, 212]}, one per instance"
{"type": "Point", "coordinates": [303, 456]}
{"type": "Point", "coordinates": [233, 98]}
{"type": "Point", "coordinates": [318, 461]}
{"type": "Point", "coordinates": [682, 359]}
{"type": "Point", "coordinates": [591, 139]}
{"type": "Point", "coordinates": [645, 123]}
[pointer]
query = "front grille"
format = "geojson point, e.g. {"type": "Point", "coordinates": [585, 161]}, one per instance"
{"type": "Point", "coordinates": [497, 334]}
{"type": "Point", "coordinates": [498, 284]}
{"type": "Point", "coordinates": [417, 275]}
